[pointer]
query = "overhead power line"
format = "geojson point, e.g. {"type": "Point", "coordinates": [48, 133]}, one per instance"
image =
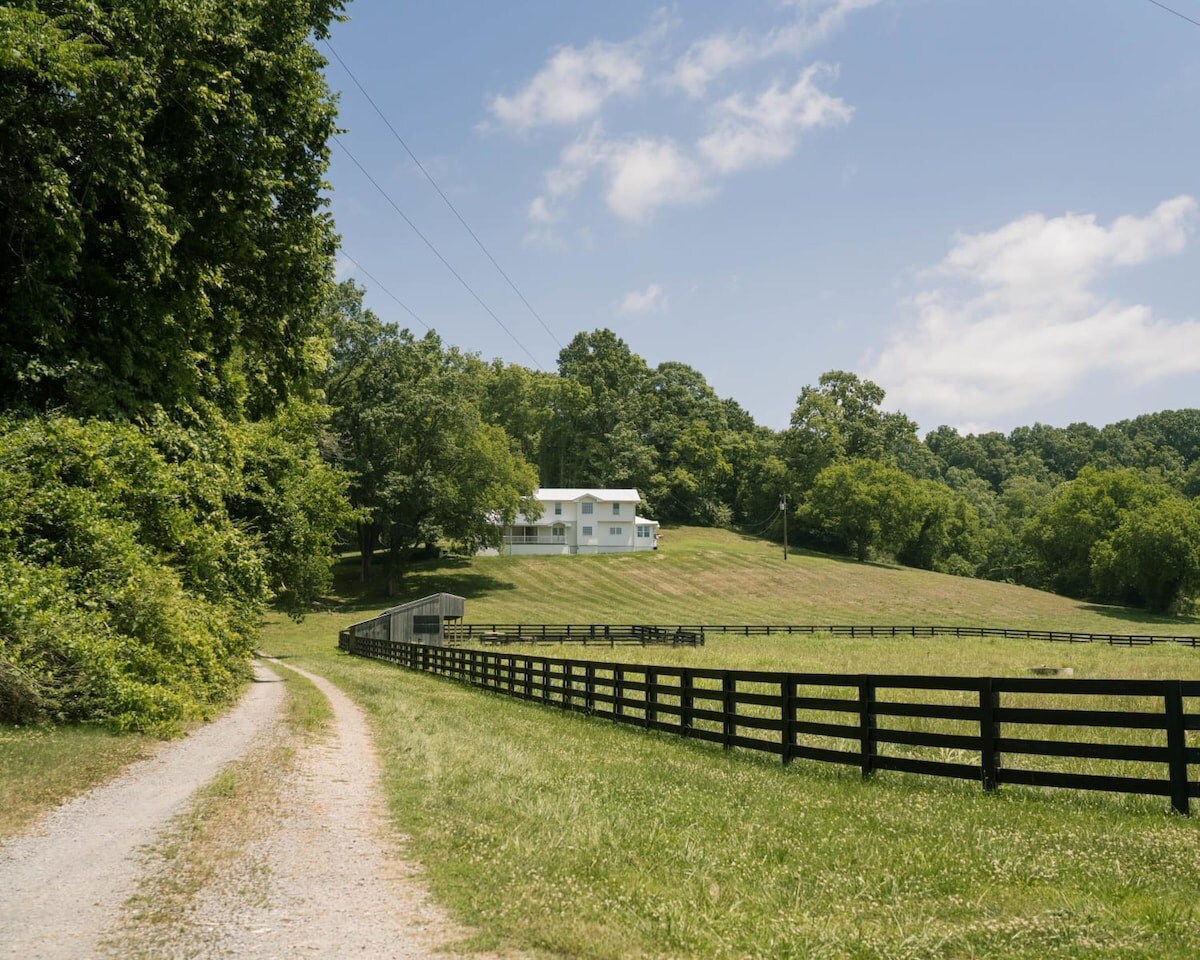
{"type": "Point", "coordinates": [437, 253]}
{"type": "Point", "coordinates": [407, 309]}
{"type": "Point", "coordinates": [1181, 16]}
{"type": "Point", "coordinates": [433, 183]}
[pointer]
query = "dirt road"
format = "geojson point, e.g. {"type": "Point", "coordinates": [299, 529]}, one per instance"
{"type": "Point", "coordinates": [332, 879]}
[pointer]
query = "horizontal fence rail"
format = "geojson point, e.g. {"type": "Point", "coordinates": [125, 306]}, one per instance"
{"type": "Point", "coordinates": [617, 634]}
{"type": "Point", "coordinates": [586, 633]}
{"type": "Point", "coordinates": [992, 730]}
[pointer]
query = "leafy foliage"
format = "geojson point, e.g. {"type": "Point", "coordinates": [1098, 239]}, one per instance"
{"type": "Point", "coordinates": [127, 594]}
{"type": "Point", "coordinates": [409, 427]}
{"type": "Point", "coordinates": [161, 170]}
{"type": "Point", "coordinates": [164, 300]}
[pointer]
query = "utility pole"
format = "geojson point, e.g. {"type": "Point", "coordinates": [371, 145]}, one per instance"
{"type": "Point", "coordinates": [783, 510]}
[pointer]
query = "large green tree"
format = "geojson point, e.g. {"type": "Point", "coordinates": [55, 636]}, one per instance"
{"type": "Point", "coordinates": [1081, 518]}
{"type": "Point", "coordinates": [161, 177]}
{"type": "Point", "coordinates": [862, 506]}
{"type": "Point", "coordinates": [409, 426]}
{"type": "Point", "coordinates": [841, 419]}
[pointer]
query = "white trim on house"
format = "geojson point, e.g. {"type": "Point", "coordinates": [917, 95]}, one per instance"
{"type": "Point", "coordinates": [581, 520]}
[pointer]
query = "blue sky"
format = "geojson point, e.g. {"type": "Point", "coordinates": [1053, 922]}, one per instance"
{"type": "Point", "coordinates": [991, 209]}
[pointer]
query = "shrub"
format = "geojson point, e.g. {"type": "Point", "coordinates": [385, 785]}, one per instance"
{"type": "Point", "coordinates": [127, 594]}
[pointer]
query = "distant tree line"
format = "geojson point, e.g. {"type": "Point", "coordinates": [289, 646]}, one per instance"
{"type": "Point", "coordinates": [1109, 514]}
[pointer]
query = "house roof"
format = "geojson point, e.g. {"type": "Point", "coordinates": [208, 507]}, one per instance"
{"type": "Point", "coordinates": [596, 493]}
{"type": "Point", "coordinates": [645, 520]}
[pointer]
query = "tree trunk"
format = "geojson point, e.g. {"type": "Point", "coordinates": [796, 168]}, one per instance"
{"type": "Point", "coordinates": [366, 549]}
{"type": "Point", "coordinates": [393, 565]}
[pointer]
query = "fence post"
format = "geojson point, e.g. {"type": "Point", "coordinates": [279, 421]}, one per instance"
{"type": "Point", "coordinates": [866, 708]}
{"type": "Point", "coordinates": [1176, 746]}
{"type": "Point", "coordinates": [989, 733]}
{"type": "Point", "coordinates": [566, 690]}
{"type": "Point", "coordinates": [685, 703]}
{"type": "Point", "coordinates": [651, 707]}
{"type": "Point", "coordinates": [589, 688]}
{"type": "Point", "coordinates": [729, 709]}
{"type": "Point", "coordinates": [787, 699]}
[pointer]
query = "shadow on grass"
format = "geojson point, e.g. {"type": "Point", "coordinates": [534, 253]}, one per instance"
{"type": "Point", "coordinates": [418, 578]}
{"type": "Point", "coordinates": [1134, 615]}
{"type": "Point", "coordinates": [796, 551]}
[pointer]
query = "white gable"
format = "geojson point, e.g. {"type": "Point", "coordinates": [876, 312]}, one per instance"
{"type": "Point", "coordinates": [622, 495]}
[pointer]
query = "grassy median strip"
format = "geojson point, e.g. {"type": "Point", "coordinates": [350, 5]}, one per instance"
{"type": "Point", "coordinates": [580, 837]}
{"type": "Point", "coordinates": [204, 842]}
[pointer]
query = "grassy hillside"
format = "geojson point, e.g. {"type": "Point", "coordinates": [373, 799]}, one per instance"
{"type": "Point", "coordinates": [715, 576]}
{"type": "Point", "coordinates": [562, 835]}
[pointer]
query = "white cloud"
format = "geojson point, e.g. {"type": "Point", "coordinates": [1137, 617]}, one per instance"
{"type": "Point", "coordinates": [709, 58]}
{"type": "Point", "coordinates": [576, 82]}
{"type": "Point", "coordinates": [650, 300]}
{"type": "Point", "coordinates": [641, 174]}
{"type": "Point", "coordinates": [1016, 319]}
{"type": "Point", "coordinates": [541, 211]}
{"type": "Point", "coordinates": [764, 130]}
{"type": "Point", "coordinates": [572, 86]}
{"type": "Point", "coordinates": [644, 173]}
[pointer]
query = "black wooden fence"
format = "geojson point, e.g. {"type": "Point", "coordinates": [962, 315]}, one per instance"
{"type": "Point", "coordinates": [606, 634]}
{"type": "Point", "coordinates": [588, 633]}
{"type": "Point", "coordinates": [866, 721]}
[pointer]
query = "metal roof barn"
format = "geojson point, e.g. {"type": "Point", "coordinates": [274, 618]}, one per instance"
{"type": "Point", "coordinates": [418, 621]}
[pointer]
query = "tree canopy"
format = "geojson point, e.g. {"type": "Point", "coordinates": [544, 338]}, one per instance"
{"type": "Point", "coordinates": [161, 176]}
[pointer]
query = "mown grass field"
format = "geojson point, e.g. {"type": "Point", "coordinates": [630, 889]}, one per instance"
{"type": "Point", "coordinates": [573, 836]}
{"type": "Point", "coordinates": [715, 576]}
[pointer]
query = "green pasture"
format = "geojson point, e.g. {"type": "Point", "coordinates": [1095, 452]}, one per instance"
{"type": "Point", "coordinates": [716, 576]}
{"type": "Point", "coordinates": [562, 835]}
{"type": "Point", "coordinates": [567, 835]}
{"type": "Point", "coordinates": [574, 836]}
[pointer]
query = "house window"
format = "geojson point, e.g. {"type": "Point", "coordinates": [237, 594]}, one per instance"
{"type": "Point", "coordinates": [643, 532]}
{"type": "Point", "coordinates": [587, 531]}
{"type": "Point", "coordinates": [558, 531]}
{"type": "Point", "coordinates": [614, 531]}
{"type": "Point", "coordinates": [558, 509]}
{"type": "Point", "coordinates": [426, 626]}
{"type": "Point", "coordinates": [616, 509]}
{"type": "Point", "coordinates": [586, 506]}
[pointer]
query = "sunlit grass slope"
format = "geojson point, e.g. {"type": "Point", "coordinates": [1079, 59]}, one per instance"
{"type": "Point", "coordinates": [562, 835]}
{"type": "Point", "coordinates": [715, 576]}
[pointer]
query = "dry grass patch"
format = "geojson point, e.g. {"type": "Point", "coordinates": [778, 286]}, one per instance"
{"type": "Point", "coordinates": [42, 767]}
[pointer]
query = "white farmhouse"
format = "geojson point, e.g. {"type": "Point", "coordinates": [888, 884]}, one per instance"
{"type": "Point", "coordinates": [582, 520]}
